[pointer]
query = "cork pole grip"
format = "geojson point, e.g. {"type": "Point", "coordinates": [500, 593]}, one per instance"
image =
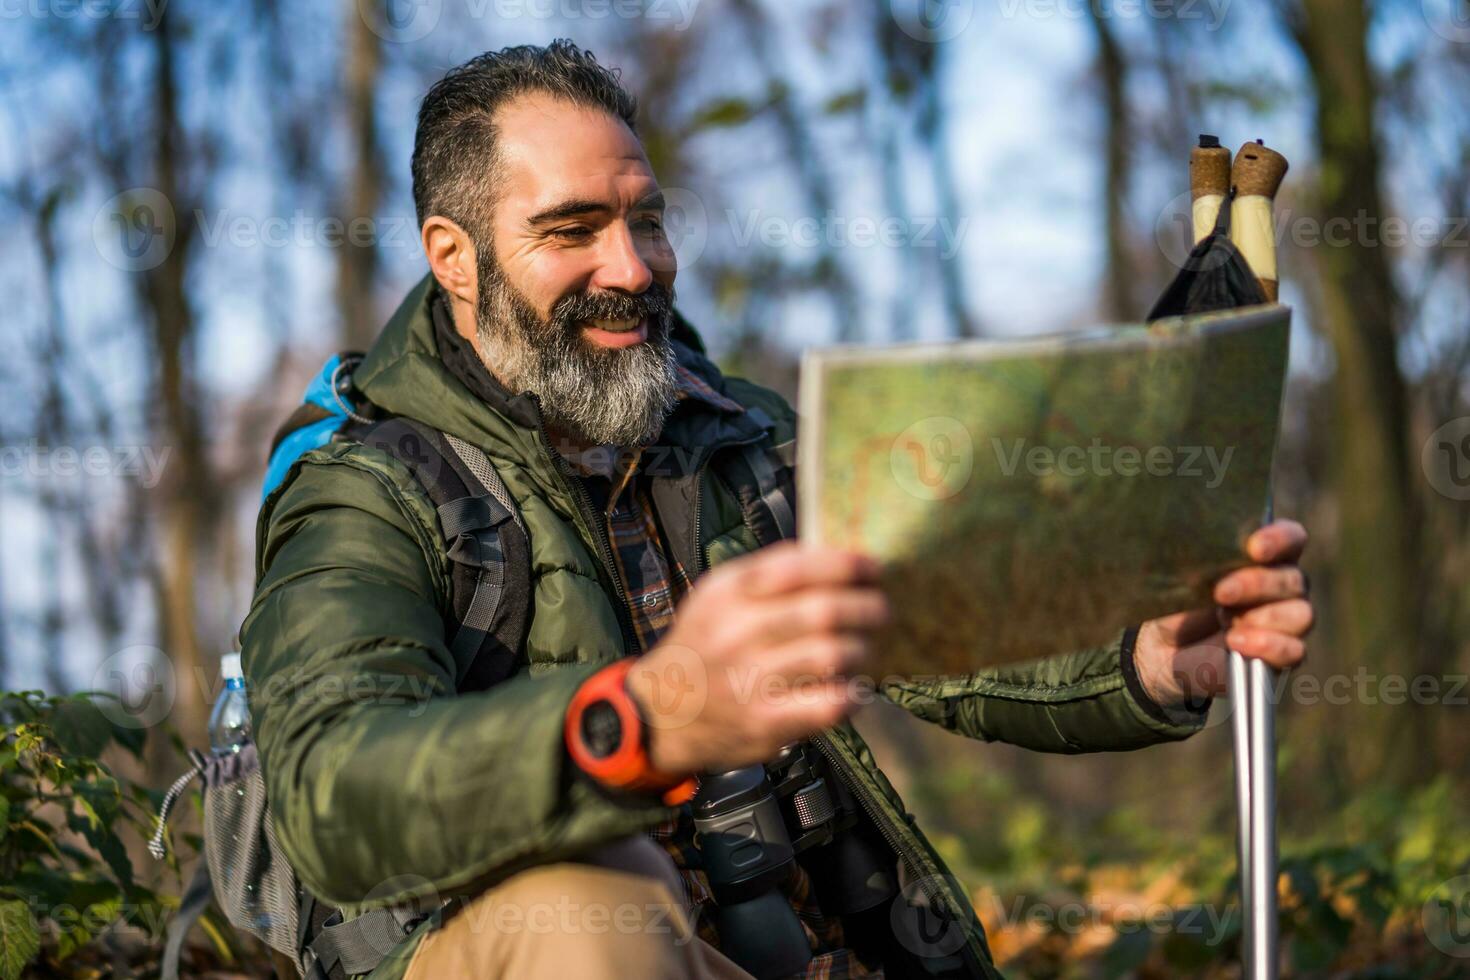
{"type": "Point", "coordinates": [1209, 183]}
{"type": "Point", "coordinates": [1257, 174]}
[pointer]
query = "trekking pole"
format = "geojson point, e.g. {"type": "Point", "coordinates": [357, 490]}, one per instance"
{"type": "Point", "coordinates": [1209, 190]}
{"type": "Point", "coordinates": [1263, 822]}
{"type": "Point", "coordinates": [1253, 726]}
{"type": "Point", "coordinates": [1255, 175]}
{"type": "Point", "coordinates": [1241, 745]}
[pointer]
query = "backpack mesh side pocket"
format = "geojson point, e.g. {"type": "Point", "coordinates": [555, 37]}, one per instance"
{"type": "Point", "coordinates": [254, 886]}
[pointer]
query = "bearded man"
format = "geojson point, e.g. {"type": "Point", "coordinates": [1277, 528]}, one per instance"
{"type": "Point", "coordinates": [545, 336]}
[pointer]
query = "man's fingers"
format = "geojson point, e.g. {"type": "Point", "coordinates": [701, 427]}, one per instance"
{"type": "Point", "coordinates": [811, 707]}
{"type": "Point", "coordinates": [1277, 649]}
{"type": "Point", "coordinates": [1256, 585]}
{"type": "Point", "coordinates": [1289, 616]}
{"type": "Point", "coordinates": [789, 566]}
{"type": "Point", "coordinates": [820, 657]}
{"type": "Point", "coordinates": [811, 611]}
{"type": "Point", "coordinates": [1279, 541]}
{"type": "Point", "coordinates": [1190, 626]}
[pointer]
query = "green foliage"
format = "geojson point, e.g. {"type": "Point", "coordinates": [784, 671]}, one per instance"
{"type": "Point", "coordinates": [1124, 897]}
{"type": "Point", "coordinates": [851, 100]}
{"type": "Point", "coordinates": [729, 112]}
{"type": "Point", "coordinates": [65, 874]}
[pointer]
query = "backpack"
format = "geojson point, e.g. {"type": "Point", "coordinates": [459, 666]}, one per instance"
{"type": "Point", "coordinates": [490, 591]}
{"type": "Point", "coordinates": [490, 595]}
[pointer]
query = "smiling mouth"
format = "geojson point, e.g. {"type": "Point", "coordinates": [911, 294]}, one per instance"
{"type": "Point", "coordinates": [616, 333]}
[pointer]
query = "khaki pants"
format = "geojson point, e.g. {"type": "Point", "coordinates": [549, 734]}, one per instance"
{"type": "Point", "coordinates": [616, 913]}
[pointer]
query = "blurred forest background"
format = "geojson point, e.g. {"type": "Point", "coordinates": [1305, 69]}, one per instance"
{"type": "Point", "coordinates": [205, 199]}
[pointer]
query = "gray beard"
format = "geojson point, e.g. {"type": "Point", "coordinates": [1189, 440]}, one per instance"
{"type": "Point", "coordinates": [617, 397]}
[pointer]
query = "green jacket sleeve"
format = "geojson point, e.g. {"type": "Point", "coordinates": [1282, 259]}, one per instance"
{"type": "Point", "coordinates": [382, 781]}
{"type": "Point", "coordinates": [1089, 701]}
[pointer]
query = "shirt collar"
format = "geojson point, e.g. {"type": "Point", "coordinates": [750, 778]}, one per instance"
{"type": "Point", "coordinates": [691, 385]}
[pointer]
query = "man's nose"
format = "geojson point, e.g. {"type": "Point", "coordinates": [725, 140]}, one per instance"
{"type": "Point", "coordinates": [621, 265]}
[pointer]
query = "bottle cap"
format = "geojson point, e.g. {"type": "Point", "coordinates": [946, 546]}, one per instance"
{"type": "Point", "coordinates": [229, 666]}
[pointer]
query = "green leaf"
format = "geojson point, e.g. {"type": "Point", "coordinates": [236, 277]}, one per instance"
{"type": "Point", "coordinates": [41, 831]}
{"type": "Point", "coordinates": [849, 101]}
{"type": "Point", "coordinates": [1128, 951]}
{"type": "Point", "coordinates": [217, 929]}
{"type": "Point", "coordinates": [101, 799]}
{"type": "Point", "coordinates": [4, 817]}
{"type": "Point", "coordinates": [723, 113]}
{"type": "Point", "coordinates": [131, 738]}
{"type": "Point", "coordinates": [81, 728]}
{"type": "Point", "coordinates": [91, 922]}
{"type": "Point", "coordinates": [19, 939]}
{"type": "Point", "coordinates": [107, 844]}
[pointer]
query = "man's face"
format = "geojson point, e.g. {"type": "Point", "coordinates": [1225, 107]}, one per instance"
{"type": "Point", "coordinates": [576, 284]}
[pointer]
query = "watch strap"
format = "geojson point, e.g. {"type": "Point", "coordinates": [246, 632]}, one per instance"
{"type": "Point", "coordinates": [627, 767]}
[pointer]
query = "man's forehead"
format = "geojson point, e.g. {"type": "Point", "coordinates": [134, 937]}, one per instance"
{"type": "Point", "coordinates": [552, 150]}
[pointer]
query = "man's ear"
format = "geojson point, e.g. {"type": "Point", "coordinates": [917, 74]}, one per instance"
{"type": "Point", "coordinates": [451, 257]}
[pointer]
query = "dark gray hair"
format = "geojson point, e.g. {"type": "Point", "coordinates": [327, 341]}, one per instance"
{"type": "Point", "coordinates": [455, 161]}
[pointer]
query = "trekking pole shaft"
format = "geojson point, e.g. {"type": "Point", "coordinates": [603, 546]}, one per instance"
{"type": "Point", "coordinates": [1263, 822]}
{"type": "Point", "coordinates": [1241, 743]}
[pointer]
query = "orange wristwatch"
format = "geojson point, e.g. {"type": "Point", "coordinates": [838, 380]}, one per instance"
{"type": "Point", "coordinates": [608, 740]}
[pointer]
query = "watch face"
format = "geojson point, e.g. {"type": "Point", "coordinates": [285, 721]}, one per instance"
{"type": "Point", "coordinates": [602, 729]}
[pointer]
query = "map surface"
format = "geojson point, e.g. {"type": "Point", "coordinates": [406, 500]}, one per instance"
{"type": "Point", "coordinates": [1036, 496]}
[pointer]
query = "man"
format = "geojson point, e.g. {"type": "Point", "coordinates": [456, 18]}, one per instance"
{"type": "Point", "coordinates": [546, 337]}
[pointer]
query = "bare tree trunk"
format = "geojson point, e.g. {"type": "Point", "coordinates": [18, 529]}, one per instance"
{"type": "Point", "coordinates": [884, 122]}
{"type": "Point", "coordinates": [53, 429]}
{"type": "Point", "coordinates": [1119, 277]}
{"type": "Point", "coordinates": [357, 265]}
{"type": "Point", "coordinates": [188, 498]}
{"type": "Point", "coordinates": [1375, 613]}
{"type": "Point", "coordinates": [952, 283]}
{"type": "Point", "coordinates": [801, 149]}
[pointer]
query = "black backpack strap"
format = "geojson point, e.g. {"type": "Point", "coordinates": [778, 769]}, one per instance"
{"type": "Point", "coordinates": [344, 949]}
{"type": "Point", "coordinates": [775, 478]}
{"type": "Point", "coordinates": [763, 476]}
{"type": "Point", "coordinates": [484, 537]}
{"type": "Point", "coordinates": [493, 622]}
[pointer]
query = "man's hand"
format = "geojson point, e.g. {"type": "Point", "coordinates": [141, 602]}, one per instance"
{"type": "Point", "coordinates": [1264, 608]}
{"type": "Point", "coordinates": [757, 657]}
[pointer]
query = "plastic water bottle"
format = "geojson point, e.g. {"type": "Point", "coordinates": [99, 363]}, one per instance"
{"type": "Point", "coordinates": [229, 722]}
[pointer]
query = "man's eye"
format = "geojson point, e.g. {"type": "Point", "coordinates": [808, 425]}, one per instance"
{"type": "Point", "coordinates": [650, 226]}
{"type": "Point", "coordinates": [572, 233]}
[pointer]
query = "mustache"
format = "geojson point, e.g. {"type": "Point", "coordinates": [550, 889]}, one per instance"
{"type": "Point", "coordinates": [656, 303]}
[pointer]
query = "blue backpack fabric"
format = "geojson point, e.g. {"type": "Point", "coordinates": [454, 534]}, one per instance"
{"type": "Point", "coordinates": [323, 413]}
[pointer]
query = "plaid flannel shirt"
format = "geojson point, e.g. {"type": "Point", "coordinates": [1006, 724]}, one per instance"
{"type": "Point", "coordinates": [654, 584]}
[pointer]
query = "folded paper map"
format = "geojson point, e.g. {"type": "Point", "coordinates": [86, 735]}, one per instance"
{"type": "Point", "coordinates": [1032, 497]}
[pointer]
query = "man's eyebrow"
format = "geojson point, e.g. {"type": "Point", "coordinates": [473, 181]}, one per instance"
{"type": "Point", "coordinates": [568, 209]}
{"type": "Point", "coordinates": [576, 208]}
{"type": "Point", "coordinates": [653, 200]}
